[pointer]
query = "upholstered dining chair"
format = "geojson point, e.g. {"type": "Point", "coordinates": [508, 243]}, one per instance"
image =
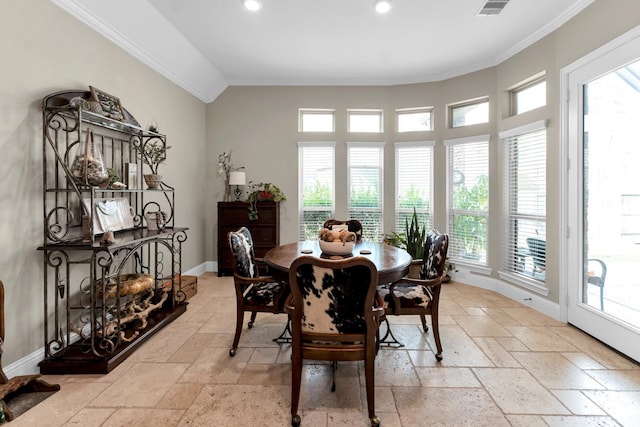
{"type": "Point", "coordinates": [334, 317]}
{"type": "Point", "coordinates": [352, 225]}
{"type": "Point", "coordinates": [254, 293]}
{"type": "Point", "coordinates": [420, 296]}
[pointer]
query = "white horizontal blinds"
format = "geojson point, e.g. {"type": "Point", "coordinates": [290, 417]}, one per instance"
{"type": "Point", "coordinates": [468, 198]}
{"type": "Point", "coordinates": [414, 188]}
{"type": "Point", "coordinates": [316, 187]}
{"type": "Point", "coordinates": [365, 162]}
{"type": "Point", "coordinates": [524, 236]}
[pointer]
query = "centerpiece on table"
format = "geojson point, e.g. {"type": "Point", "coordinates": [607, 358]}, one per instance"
{"type": "Point", "coordinates": [337, 241]}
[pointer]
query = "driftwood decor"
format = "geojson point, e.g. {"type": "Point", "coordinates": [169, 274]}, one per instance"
{"type": "Point", "coordinates": [10, 388]}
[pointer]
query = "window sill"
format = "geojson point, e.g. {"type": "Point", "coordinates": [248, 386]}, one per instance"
{"type": "Point", "coordinates": [530, 284]}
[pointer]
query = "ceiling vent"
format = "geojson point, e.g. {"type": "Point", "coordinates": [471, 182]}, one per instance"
{"type": "Point", "coordinates": [492, 7]}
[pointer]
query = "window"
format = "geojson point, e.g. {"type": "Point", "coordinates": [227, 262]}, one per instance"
{"type": "Point", "coordinates": [365, 163]}
{"type": "Point", "coordinates": [316, 162]}
{"type": "Point", "coordinates": [369, 121]}
{"type": "Point", "coordinates": [414, 183]}
{"type": "Point", "coordinates": [469, 113]}
{"type": "Point", "coordinates": [524, 235]}
{"type": "Point", "coordinates": [529, 96]}
{"type": "Point", "coordinates": [316, 120]}
{"type": "Point", "coordinates": [468, 198]}
{"type": "Point", "coordinates": [414, 119]}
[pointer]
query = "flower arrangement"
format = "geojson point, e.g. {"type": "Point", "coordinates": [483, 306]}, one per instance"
{"type": "Point", "coordinates": [225, 167]}
{"type": "Point", "coordinates": [262, 191]}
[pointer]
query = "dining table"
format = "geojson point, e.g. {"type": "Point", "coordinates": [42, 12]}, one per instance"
{"type": "Point", "coordinates": [392, 262]}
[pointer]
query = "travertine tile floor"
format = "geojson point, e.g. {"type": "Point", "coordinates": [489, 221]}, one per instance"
{"type": "Point", "coordinates": [504, 364]}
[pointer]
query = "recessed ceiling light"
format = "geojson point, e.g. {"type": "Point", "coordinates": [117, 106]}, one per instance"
{"type": "Point", "coordinates": [382, 6]}
{"type": "Point", "coordinates": [252, 5]}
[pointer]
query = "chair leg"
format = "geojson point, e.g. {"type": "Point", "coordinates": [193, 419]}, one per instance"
{"type": "Point", "coordinates": [369, 375]}
{"type": "Point", "coordinates": [436, 335]}
{"type": "Point", "coordinates": [423, 319]}
{"type": "Point", "coordinates": [296, 379]}
{"type": "Point", "coordinates": [601, 298]}
{"type": "Point", "coordinates": [334, 368]}
{"type": "Point", "coordinates": [236, 338]}
{"type": "Point", "coordinates": [389, 340]}
{"type": "Point", "coordinates": [252, 320]}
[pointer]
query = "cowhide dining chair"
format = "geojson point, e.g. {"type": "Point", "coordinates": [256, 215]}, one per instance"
{"type": "Point", "coordinates": [254, 293]}
{"type": "Point", "coordinates": [333, 318]}
{"type": "Point", "coordinates": [420, 296]}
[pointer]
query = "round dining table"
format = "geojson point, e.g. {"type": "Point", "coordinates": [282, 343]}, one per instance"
{"type": "Point", "coordinates": [392, 263]}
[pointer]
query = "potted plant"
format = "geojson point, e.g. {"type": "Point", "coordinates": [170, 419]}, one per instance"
{"type": "Point", "coordinates": [415, 237]}
{"type": "Point", "coordinates": [262, 191]}
{"type": "Point", "coordinates": [152, 153]}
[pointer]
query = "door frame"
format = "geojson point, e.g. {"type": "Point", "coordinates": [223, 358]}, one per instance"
{"type": "Point", "coordinates": [621, 50]}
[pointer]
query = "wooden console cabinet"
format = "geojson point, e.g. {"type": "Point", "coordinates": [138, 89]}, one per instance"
{"type": "Point", "coordinates": [265, 231]}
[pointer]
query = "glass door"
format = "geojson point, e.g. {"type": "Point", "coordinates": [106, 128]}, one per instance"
{"type": "Point", "coordinates": [604, 288]}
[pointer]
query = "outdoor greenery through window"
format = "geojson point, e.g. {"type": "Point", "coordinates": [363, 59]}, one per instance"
{"type": "Point", "coordinates": [414, 183]}
{"type": "Point", "coordinates": [468, 198]}
{"type": "Point", "coordinates": [469, 113]}
{"type": "Point", "coordinates": [529, 96]}
{"type": "Point", "coordinates": [316, 120]}
{"type": "Point", "coordinates": [367, 121]}
{"type": "Point", "coordinates": [524, 234]}
{"type": "Point", "coordinates": [316, 162]}
{"type": "Point", "coordinates": [365, 163]}
{"type": "Point", "coordinates": [414, 119]}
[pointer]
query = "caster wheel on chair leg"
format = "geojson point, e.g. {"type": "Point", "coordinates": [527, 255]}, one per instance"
{"type": "Point", "coordinates": [232, 352]}
{"type": "Point", "coordinates": [439, 357]}
{"type": "Point", "coordinates": [375, 421]}
{"type": "Point", "coordinates": [250, 325]}
{"type": "Point", "coordinates": [295, 421]}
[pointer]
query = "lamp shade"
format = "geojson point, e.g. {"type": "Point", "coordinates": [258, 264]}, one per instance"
{"type": "Point", "coordinates": [237, 178]}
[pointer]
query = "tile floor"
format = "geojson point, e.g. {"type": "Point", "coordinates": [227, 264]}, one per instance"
{"type": "Point", "coordinates": [504, 364]}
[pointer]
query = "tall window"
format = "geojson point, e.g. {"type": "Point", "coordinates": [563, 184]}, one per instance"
{"type": "Point", "coordinates": [316, 178]}
{"type": "Point", "coordinates": [365, 163]}
{"type": "Point", "coordinates": [469, 113]}
{"type": "Point", "coordinates": [525, 228]}
{"type": "Point", "coordinates": [414, 183]}
{"type": "Point", "coordinates": [468, 198]}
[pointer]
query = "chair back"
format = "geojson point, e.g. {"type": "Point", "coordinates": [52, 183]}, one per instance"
{"type": "Point", "coordinates": [243, 257]}
{"type": "Point", "coordinates": [332, 297]}
{"type": "Point", "coordinates": [352, 225]}
{"type": "Point", "coordinates": [538, 249]}
{"type": "Point", "coordinates": [435, 255]}
{"type": "Point", "coordinates": [597, 270]}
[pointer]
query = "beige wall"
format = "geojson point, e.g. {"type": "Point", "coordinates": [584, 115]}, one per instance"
{"type": "Point", "coordinates": [44, 50]}
{"type": "Point", "coordinates": [260, 124]}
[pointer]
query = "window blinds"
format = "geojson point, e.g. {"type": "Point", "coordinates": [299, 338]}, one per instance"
{"type": "Point", "coordinates": [365, 162]}
{"type": "Point", "coordinates": [414, 178]}
{"type": "Point", "coordinates": [524, 236]}
{"type": "Point", "coordinates": [316, 187]}
{"type": "Point", "coordinates": [468, 198]}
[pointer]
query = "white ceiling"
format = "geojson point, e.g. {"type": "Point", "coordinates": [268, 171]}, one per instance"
{"type": "Point", "coordinates": [206, 45]}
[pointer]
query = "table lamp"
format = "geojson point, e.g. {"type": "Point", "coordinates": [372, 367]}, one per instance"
{"type": "Point", "coordinates": [237, 178]}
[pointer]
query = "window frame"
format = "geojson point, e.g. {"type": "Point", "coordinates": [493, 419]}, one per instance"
{"type": "Point", "coordinates": [367, 231]}
{"type": "Point", "coordinates": [451, 211]}
{"type": "Point", "coordinates": [468, 103]}
{"type": "Point", "coordinates": [414, 110]}
{"type": "Point", "coordinates": [316, 111]}
{"type": "Point", "coordinates": [301, 174]}
{"type": "Point", "coordinates": [425, 215]}
{"type": "Point", "coordinates": [366, 112]}
{"type": "Point", "coordinates": [523, 86]}
{"type": "Point", "coordinates": [509, 256]}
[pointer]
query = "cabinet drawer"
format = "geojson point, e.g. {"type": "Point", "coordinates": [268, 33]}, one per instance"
{"type": "Point", "coordinates": [260, 235]}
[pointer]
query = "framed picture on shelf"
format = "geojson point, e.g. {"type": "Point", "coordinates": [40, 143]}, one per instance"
{"type": "Point", "coordinates": [131, 174]}
{"type": "Point", "coordinates": [110, 104]}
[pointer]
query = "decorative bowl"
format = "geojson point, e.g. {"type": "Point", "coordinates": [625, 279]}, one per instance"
{"type": "Point", "coordinates": [336, 248]}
